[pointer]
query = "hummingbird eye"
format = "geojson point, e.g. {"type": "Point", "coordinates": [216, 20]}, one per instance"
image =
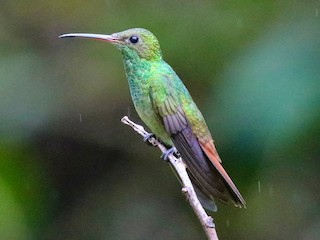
{"type": "Point", "coordinates": [134, 39]}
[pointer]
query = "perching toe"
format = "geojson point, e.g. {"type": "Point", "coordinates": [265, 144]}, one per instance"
{"type": "Point", "coordinates": [170, 151]}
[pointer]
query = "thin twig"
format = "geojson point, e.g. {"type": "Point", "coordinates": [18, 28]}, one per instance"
{"type": "Point", "coordinates": [205, 220]}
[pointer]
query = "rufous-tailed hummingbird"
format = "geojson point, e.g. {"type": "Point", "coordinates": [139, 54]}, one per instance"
{"type": "Point", "coordinates": [166, 107]}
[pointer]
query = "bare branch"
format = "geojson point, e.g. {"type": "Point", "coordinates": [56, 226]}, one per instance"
{"type": "Point", "coordinates": [205, 220]}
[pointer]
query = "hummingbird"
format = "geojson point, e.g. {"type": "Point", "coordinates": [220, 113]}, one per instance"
{"type": "Point", "coordinates": [165, 105]}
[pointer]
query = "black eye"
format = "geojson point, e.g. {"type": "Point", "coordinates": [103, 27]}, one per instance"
{"type": "Point", "coordinates": [134, 39]}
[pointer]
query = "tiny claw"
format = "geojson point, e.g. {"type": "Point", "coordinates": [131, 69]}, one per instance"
{"type": "Point", "coordinates": [148, 137]}
{"type": "Point", "coordinates": [170, 151]}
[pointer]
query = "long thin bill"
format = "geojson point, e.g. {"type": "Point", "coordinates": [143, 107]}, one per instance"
{"type": "Point", "coordinates": [101, 37]}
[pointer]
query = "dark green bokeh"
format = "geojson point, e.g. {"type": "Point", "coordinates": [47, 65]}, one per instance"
{"type": "Point", "coordinates": [70, 170]}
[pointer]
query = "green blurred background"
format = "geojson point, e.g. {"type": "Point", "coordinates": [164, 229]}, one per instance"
{"type": "Point", "coordinates": [70, 170]}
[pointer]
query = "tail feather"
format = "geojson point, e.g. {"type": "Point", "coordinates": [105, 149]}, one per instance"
{"type": "Point", "coordinates": [212, 154]}
{"type": "Point", "coordinates": [206, 202]}
{"type": "Point", "coordinates": [208, 175]}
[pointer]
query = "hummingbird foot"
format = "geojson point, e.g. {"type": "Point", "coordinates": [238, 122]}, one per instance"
{"type": "Point", "coordinates": [150, 138]}
{"type": "Point", "coordinates": [170, 151]}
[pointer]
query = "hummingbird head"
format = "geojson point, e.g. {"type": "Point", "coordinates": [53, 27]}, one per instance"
{"type": "Point", "coordinates": [133, 43]}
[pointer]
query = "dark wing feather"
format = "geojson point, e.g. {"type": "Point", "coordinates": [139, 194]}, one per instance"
{"type": "Point", "coordinates": [208, 176]}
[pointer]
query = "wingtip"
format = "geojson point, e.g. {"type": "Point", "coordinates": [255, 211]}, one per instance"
{"type": "Point", "coordinates": [241, 204]}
